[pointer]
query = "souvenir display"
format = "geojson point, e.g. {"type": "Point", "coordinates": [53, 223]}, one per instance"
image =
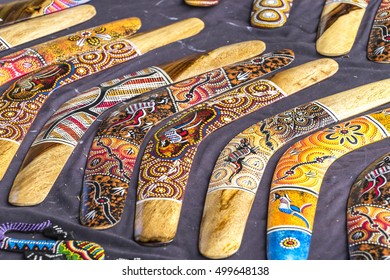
{"type": "Point", "coordinates": [339, 25]}
{"type": "Point", "coordinates": [378, 48]}
{"type": "Point", "coordinates": [21, 102]}
{"type": "Point", "coordinates": [26, 9]}
{"type": "Point", "coordinates": [25, 61]}
{"type": "Point", "coordinates": [62, 132]}
{"type": "Point", "coordinates": [368, 214]}
{"type": "Point", "coordinates": [168, 156]}
{"type": "Point", "coordinates": [300, 171]}
{"type": "Point", "coordinates": [270, 13]}
{"type": "Point", "coordinates": [115, 147]}
{"type": "Point", "coordinates": [23, 32]}
{"type": "Point", "coordinates": [241, 164]}
{"type": "Point", "coordinates": [63, 247]}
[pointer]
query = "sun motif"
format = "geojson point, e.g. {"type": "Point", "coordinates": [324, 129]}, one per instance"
{"type": "Point", "coordinates": [290, 243]}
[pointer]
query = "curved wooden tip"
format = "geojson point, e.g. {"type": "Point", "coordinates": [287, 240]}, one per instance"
{"type": "Point", "coordinates": [358, 100]}
{"type": "Point", "coordinates": [202, 3]}
{"type": "Point", "coordinates": [223, 222]}
{"type": "Point", "coordinates": [305, 75]}
{"type": "Point", "coordinates": [339, 37]}
{"type": "Point", "coordinates": [168, 34]}
{"type": "Point", "coordinates": [35, 28]}
{"type": "Point", "coordinates": [8, 150]}
{"type": "Point", "coordinates": [149, 228]}
{"type": "Point", "coordinates": [200, 63]}
{"type": "Point", "coordinates": [38, 174]}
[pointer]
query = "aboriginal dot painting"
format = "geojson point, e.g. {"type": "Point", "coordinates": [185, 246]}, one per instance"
{"type": "Point", "coordinates": [115, 147]}
{"type": "Point", "coordinates": [270, 13]}
{"type": "Point", "coordinates": [31, 59]}
{"type": "Point", "coordinates": [173, 147]}
{"type": "Point", "coordinates": [298, 177]}
{"type": "Point", "coordinates": [368, 215]}
{"type": "Point", "coordinates": [242, 162]}
{"type": "Point", "coordinates": [379, 41]}
{"type": "Point", "coordinates": [21, 103]}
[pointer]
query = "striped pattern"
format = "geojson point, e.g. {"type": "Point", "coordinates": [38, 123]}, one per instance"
{"type": "Point", "coordinates": [74, 117]}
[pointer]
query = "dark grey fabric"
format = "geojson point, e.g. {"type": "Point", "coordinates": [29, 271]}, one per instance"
{"type": "Point", "coordinates": [226, 23]}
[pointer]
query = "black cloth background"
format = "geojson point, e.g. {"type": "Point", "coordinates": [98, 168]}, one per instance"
{"type": "Point", "coordinates": [225, 23]}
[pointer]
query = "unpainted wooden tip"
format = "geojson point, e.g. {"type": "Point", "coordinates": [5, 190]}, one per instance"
{"type": "Point", "coordinates": [41, 168]}
{"type": "Point", "coordinates": [220, 57]}
{"type": "Point", "coordinates": [165, 35]}
{"type": "Point", "coordinates": [8, 151]}
{"type": "Point", "coordinates": [156, 222]}
{"type": "Point", "coordinates": [200, 3]}
{"type": "Point", "coordinates": [223, 222]}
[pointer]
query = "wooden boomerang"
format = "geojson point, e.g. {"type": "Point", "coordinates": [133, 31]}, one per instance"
{"type": "Point", "coordinates": [202, 3]}
{"type": "Point", "coordinates": [23, 32]}
{"type": "Point", "coordinates": [338, 27]}
{"type": "Point", "coordinates": [300, 171]}
{"type": "Point", "coordinates": [20, 104]}
{"type": "Point", "coordinates": [62, 132]}
{"type": "Point", "coordinates": [378, 48]}
{"type": "Point", "coordinates": [368, 213]}
{"type": "Point", "coordinates": [168, 156]}
{"type": "Point", "coordinates": [33, 58]}
{"type": "Point", "coordinates": [22, 10]}
{"type": "Point", "coordinates": [270, 13]}
{"type": "Point", "coordinates": [62, 248]}
{"type": "Point", "coordinates": [115, 147]}
{"type": "Point", "coordinates": [241, 164]}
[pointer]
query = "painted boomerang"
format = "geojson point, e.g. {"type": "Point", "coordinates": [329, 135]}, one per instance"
{"type": "Point", "coordinates": [25, 61]}
{"type": "Point", "coordinates": [378, 48]}
{"type": "Point", "coordinates": [368, 214]}
{"type": "Point", "coordinates": [242, 163]}
{"type": "Point", "coordinates": [115, 147]}
{"type": "Point", "coordinates": [168, 156]}
{"type": "Point", "coordinates": [65, 129]}
{"type": "Point", "coordinates": [299, 174]}
{"type": "Point", "coordinates": [20, 104]}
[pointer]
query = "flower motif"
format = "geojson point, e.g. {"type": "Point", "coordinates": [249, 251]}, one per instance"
{"type": "Point", "coordinates": [344, 132]}
{"type": "Point", "coordinates": [91, 37]}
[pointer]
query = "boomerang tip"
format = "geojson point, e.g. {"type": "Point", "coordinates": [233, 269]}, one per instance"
{"type": "Point", "coordinates": [40, 170]}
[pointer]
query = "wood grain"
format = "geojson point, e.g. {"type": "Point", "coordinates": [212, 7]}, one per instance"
{"type": "Point", "coordinates": [23, 32]}
{"type": "Point", "coordinates": [25, 9]}
{"type": "Point", "coordinates": [167, 34]}
{"type": "Point", "coordinates": [45, 161]}
{"type": "Point", "coordinates": [339, 25]}
{"type": "Point", "coordinates": [357, 100]}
